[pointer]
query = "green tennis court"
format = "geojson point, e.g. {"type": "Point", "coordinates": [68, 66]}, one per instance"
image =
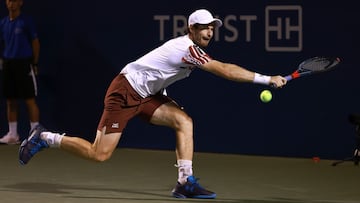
{"type": "Point", "coordinates": [136, 175]}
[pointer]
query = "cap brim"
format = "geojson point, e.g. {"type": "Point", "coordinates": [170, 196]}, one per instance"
{"type": "Point", "coordinates": [215, 21]}
{"type": "Point", "coordinates": [218, 22]}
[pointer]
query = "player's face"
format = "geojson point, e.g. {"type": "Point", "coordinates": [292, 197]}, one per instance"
{"type": "Point", "coordinates": [202, 34]}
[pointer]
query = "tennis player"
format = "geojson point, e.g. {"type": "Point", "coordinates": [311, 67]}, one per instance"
{"type": "Point", "coordinates": [138, 90]}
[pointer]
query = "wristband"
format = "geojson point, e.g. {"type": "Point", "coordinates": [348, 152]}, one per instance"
{"type": "Point", "coordinates": [262, 79]}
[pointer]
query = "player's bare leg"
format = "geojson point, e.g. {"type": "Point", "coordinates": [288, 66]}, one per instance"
{"type": "Point", "coordinates": [171, 115]}
{"type": "Point", "coordinates": [100, 150]}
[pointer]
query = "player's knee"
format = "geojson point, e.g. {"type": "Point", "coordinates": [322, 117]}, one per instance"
{"type": "Point", "coordinates": [103, 156]}
{"type": "Point", "coordinates": [99, 155]}
{"type": "Point", "coordinates": [183, 121]}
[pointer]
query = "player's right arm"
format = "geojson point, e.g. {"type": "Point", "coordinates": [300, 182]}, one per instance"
{"type": "Point", "coordinates": [240, 74]}
{"type": "Point", "coordinates": [229, 71]}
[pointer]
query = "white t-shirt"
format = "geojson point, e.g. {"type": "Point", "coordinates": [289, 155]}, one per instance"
{"type": "Point", "coordinates": [170, 62]}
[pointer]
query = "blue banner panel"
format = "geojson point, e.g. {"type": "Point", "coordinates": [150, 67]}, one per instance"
{"type": "Point", "coordinates": [84, 44]}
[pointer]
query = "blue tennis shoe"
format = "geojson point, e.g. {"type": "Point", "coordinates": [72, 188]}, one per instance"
{"type": "Point", "coordinates": [32, 145]}
{"type": "Point", "coordinates": [192, 189]}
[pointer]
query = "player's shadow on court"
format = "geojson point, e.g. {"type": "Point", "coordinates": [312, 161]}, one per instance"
{"type": "Point", "coordinates": [71, 191]}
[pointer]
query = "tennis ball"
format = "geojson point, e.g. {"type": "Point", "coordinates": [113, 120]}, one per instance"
{"type": "Point", "coordinates": [265, 96]}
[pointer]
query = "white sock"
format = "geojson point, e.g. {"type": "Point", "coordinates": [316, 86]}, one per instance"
{"type": "Point", "coordinates": [184, 170]}
{"type": "Point", "coordinates": [33, 124]}
{"type": "Point", "coordinates": [52, 139]}
{"type": "Point", "coordinates": [13, 129]}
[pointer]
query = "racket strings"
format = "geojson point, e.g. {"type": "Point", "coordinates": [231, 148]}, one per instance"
{"type": "Point", "coordinates": [319, 64]}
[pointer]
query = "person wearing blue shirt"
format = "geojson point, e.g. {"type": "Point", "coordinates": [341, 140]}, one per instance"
{"type": "Point", "coordinates": [21, 48]}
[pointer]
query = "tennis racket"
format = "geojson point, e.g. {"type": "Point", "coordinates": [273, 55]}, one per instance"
{"type": "Point", "coordinates": [313, 65]}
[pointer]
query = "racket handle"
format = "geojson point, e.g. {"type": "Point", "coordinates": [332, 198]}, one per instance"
{"type": "Point", "coordinates": [288, 77]}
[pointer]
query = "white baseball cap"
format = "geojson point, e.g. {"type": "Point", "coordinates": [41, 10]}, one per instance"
{"type": "Point", "coordinates": [203, 16]}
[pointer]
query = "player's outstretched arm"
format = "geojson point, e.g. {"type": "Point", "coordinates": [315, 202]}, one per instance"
{"type": "Point", "coordinates": [240, 74]}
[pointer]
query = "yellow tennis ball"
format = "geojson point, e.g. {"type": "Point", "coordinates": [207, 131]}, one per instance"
{"type": "Point", "coordinates": [265, 96]}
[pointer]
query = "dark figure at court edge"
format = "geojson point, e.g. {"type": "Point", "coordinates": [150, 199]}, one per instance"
{"type": "Point", "coordinates": [19, 37]}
